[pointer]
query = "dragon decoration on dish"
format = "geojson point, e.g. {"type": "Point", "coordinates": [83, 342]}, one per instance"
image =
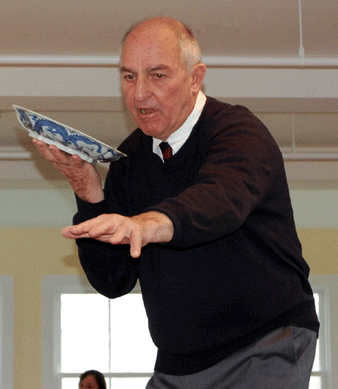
{"type": "Point", "coordinates": [44, 126]}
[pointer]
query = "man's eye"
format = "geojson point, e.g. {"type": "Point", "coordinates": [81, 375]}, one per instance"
{"type": "Point", "coordinates": [129, 77]}
{"type": "Point", "coordinates": [158, 76]}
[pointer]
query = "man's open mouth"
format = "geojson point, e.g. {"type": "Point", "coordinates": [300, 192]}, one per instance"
{"type": "Point", "coordinates": [145, 111]}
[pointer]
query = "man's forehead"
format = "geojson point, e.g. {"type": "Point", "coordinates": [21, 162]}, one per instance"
{"type": "Point", "coordinates": [157, 59]}
{"type": "Point", "coordinates": [151, 41]}
{"type": "Point", "coordinates": [151, 52]}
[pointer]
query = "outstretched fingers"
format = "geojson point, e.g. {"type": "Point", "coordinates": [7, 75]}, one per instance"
{"type": "Point", "coordinates": [112, 228]}
{"type": "Point", "coordinates": [75, 232]}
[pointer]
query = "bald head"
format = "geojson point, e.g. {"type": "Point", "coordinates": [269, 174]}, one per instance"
{"type": "Point", "coordinates": [187, 45]}
{"type": "Point", "coordinates": [160, 81]}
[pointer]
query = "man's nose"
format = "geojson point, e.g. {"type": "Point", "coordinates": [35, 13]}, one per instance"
{"type": "Point", "coordinates": [142, 90]}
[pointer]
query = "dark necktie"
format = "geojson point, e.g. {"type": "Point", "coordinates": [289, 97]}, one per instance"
{"type": "Point", "coordinates": [166, 150]}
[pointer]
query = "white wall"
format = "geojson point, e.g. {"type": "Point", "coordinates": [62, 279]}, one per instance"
{"type": "Point", "coordinates": [42, 204]}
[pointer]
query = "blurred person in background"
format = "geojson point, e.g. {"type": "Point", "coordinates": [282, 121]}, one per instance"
{"type": "Point", "coordinates": [92, 379]}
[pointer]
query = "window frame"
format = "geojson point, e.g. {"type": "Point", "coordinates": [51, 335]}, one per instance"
{"type": "Point", "coordinates": [326, 285]}
{"type": "Point", "coordinates": [53, 286]}
{"type": "Point", "coordinates": [6, 331]}
{"type": "Point", "coordinates": [322, 346]}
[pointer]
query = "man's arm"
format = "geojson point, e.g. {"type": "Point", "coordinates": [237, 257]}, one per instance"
{"type": "Point", "coordinates": [137, 231]}
{"type": "Point", "coordinates": [82, 176]}
{"type": "Point", "coordinates": [242, 169]}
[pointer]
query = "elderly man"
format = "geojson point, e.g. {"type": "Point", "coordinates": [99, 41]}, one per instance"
{"type": "Point", "coordinates": [199, 212]}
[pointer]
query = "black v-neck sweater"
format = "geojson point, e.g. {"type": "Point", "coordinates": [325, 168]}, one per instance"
{"type": "Point", "coordinates": [234, 268]}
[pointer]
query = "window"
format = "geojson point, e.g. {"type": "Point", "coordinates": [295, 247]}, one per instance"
{"type": "Point", "coordinates": [84, 330]}
{"type": "Point", "coordinates": [6, 331]}
{"type": "Point", "coordinates": [319, 372]}
{"type": "Point", "coordinates": [93, 332]}
{"type": "Point", "coordinates": [325, 368]}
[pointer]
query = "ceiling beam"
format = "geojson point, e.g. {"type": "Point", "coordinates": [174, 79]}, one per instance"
{"type": "Point", "coordinates": [218, 82]}
{"type": "Point", "coordinates": [300, 61]}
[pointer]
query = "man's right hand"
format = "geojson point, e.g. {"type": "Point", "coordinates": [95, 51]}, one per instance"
{"type": "Point", "coordinates": [82, 176]}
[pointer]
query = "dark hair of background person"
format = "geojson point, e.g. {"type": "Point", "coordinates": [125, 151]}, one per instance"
{"type": "Point", "coordinates": [98, 376]}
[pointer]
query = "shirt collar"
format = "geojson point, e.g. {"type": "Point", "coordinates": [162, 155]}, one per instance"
{"type": "Point", "coordinates": [178, 138]}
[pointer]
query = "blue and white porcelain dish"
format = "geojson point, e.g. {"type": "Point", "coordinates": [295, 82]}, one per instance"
{"type": "Point", "coordinates": [65, 138]}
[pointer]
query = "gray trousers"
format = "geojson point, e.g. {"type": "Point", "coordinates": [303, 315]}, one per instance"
{"type": "Point", "coordinates": [281, 360]}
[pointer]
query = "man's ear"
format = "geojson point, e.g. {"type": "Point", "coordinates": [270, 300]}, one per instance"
{"type": "Point", "coordinates": [197, 74]}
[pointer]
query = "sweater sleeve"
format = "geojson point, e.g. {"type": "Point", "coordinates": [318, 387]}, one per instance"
{"type": "Point", "coordinates": [235, 177]}
{"type": "Point", "coordinates": [109, 269]}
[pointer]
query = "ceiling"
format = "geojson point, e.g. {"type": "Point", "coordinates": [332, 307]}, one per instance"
{"type": "Point", "coordinates": [228, 27]}
{"type": "Point", "coordinates": [45, 33]}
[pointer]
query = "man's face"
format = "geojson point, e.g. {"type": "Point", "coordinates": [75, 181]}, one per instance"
{"type": "Point", "coordinates": [157, 88]}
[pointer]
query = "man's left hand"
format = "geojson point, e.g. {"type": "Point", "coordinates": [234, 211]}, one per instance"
{"type": "Point", "coordinates": [137, 231]}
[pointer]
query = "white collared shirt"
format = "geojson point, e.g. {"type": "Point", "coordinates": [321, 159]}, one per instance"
{"type": "Point", "coordinates": [178, 138]}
